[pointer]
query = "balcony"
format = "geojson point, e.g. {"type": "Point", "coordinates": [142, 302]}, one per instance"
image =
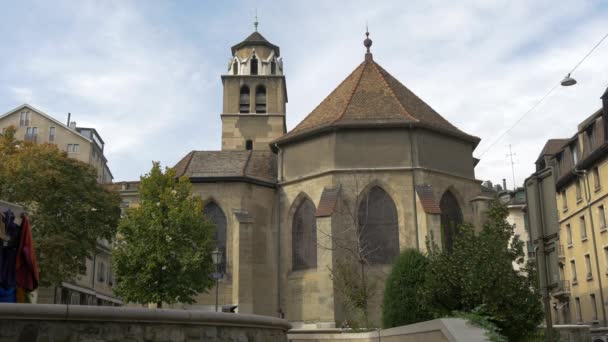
{"type": "Point", "coordinates": [561, 256]}
{"type": "Point", "coordinates": [562, 290]}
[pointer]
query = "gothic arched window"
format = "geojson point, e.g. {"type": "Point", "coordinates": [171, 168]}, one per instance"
{"type": "Point", "coordinates": [304, 236]}
{"type": "Point", "coordinates": [451, 218]}
{"type": "Point", "coordinates": [235, 68]}
{"type": "Point", "coordinates": [215, 215]}
{"type": "Point", "coordinates": [273, 67]}
{"type": "Point", "coordinates": [378, 227]}
{"type": "Point", "coordinates": [244, 100]}
{"type": "Point", "coordinates": [260, 99]}
{"type": "Point", "coordinates": [254, 65]}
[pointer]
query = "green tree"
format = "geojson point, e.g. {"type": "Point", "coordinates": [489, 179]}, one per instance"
{"type": "Point", "coordinates": [68, 208]}
{"type": "Point", "coordinates": [163, 249]}
{"type": "Point", "coordinates": [402, 303]}
{"type": "Point", "coordinates": [478, 276]}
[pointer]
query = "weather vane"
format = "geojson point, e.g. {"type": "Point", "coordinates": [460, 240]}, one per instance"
{"type": "Point", "coordinates": [255, 23]}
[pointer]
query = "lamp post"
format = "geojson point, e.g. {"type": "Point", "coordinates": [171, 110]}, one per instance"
{"type": "Point", "coordinates": [216, 255]}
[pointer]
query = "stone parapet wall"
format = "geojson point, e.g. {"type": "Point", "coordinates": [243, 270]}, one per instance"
{"type": "Point", "coordinates": [438, 330]}
{"type": "Point", "coordinates": [58, 323]}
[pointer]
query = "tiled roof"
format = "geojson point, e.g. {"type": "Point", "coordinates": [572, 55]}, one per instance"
{"type": "Point", "coordinates": [327, 204]}
{"type": "Point", "coordinates": [552, 146]}
{"type": "Point", "coordinates": [256, 39]}
{"type": "Point", "coordinates": [427, 199]}
{"type": "Point", "coordinates": [258, 165]}
{"type": "Point", "coordinates": [371, 96]}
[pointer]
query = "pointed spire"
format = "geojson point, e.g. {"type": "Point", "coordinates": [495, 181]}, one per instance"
{"type": "Point", "coordinates": [367, 43]}
{"type": "Point", "coordinates": [255, 23]}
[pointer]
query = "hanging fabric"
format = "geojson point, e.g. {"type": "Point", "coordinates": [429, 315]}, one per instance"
{"type": "Point", "coordinates": [26, 267]}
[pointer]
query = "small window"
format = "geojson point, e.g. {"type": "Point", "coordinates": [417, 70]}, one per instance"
{"type": "Point", "coordinates": [596, 178]}
{"type": "Point", "coordinates": [101, 272]}
{"type": "Point", "coordinates": [260, 99]}
{"type": "Point", "coordinates": [249, 145]}
{"type": "Point", "coordinates": [594, 306]}
{"type": "Point", "coordinates": [52, 134]}
{"type": "Point", "coordinates": [564, 201]}
{"type": "Point", "coordinates": [578, 309]}
{"type": "Point", "coordinates": [606, 258]}
{"type": "Point", "coordinates": [573, 271]}
{"type": "Point", "coordinates": [569, 234]}
{"type": "Point", "coordinates": [254, 65]}
{"type": "Point", "coordinates": [574, 151]}
{"type": "Point", "coordinates": [601, 212]}
{"type": "Point", "coordinates": [235, 68]}
{"type": "Point", "coordinates": [273, 68]}
{"type": "Point", "coordinates": [579, 195]}
{"type": "Point", "coordinates": [588, 266]}
{"type": "Point", "coordinates": [583, 228]}
{"type": "Point", "coordinates": [24, 119]}
{"type": "Point", "coordinates": [244, 100]}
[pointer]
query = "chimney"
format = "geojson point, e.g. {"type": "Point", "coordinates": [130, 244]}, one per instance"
{"type": "Point", "coordinates": [504, 183]}
{"type": "Point", "coordinates": [69, 117]}
{"type": "Point", "coordinates": [73, 125]}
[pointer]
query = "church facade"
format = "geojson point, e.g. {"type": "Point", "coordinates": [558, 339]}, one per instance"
{"type": "Point", "coordinates": [372, 170]}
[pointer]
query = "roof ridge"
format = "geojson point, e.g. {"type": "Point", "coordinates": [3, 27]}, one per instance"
{"type": "Point", "coordinates": [352, 93]}
{"type": "Point", "coordinates": [405, 112]}
{"type": "Point", "coordinates": [190, 156]}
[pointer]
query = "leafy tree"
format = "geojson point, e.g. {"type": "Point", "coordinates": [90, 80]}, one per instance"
{"type": "Point", "coordinates": [478, 276]}
{"type": "Point", "coordinates": [69, 209]}
{"type": "Point", "coordinates": [163, 250]}
{"type": "Point", "coordinates": [403, 303]}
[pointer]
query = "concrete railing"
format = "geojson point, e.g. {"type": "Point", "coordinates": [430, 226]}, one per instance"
{"type": "Point", "coordinates": [51, 322]}
{"type": "Point", "coordinates": [438, 330]}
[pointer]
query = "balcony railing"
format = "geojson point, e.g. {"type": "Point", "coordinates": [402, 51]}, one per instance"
{"type": "Point", "coordinates": [562, 290]}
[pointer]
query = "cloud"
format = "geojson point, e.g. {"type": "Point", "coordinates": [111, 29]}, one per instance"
{"type": "Point", "coordinates": [147, 75]}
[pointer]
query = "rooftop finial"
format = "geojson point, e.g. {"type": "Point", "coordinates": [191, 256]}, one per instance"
{"type": "Point", "coordinates": [367, 42]}
{"type": "Point", "coordinates": [255, 23]}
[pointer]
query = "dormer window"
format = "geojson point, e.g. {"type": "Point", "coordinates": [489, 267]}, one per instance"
{"type": "Point", "coordinates": [273, 67]}
{"type": "Point", "coordinates": [260, 99]}
{"type": "Point", "coordinates": [235, 68]}
{"type": "Point", "coordinates": [254, 65]}
{"type": "Point", "coordinates": [574, 150]}
{"type": "Point", "coordinates": [244, 100]}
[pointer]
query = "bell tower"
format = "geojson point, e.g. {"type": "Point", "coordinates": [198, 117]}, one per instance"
{"type": "Point", "coordinates": [255, 95]}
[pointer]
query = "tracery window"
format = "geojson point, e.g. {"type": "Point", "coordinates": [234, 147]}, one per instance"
{"type": "Point", "coordinates": [215, 215]}
{"type": "Point", "coordinates": [244, 100]}
{"type": "Point", "coordinates": [378, 227]}
{"type": "Point", "coordinates": [254, 65]}
{"type": "Point", "coordinates": [235, 68]}
{"type": "Point", "coordinates": [451, 218]}
{"type": "Point", "coordinates": [304, 236]}
{"type": "Point", "coordinates": [273, 67]}
{"type": "Point", "coordinates": [260, 99]}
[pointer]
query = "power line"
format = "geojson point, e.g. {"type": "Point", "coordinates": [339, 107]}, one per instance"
{"type": "Point", "coordinates": [541, 99]}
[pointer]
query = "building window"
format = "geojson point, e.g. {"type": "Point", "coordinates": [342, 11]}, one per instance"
{"type": "Point", "coordinates": [52, 134]}
{"type": "Point", "coordinates": [596, 178]}
{"type": "Point", "coordinates": [579, 195]}
{"type": "Point", "coordinates": [378, 227]}
{"type": "Point", "coordinates": [244, 100]}
{"type": "Point", "coordinates": [569, 234]}
{"type": "Point", "coordinates": [579, 311]}
{"type": "Point", "coordinates": [25, 118]}
{"type": "Point", "coordinates": [583, 228]}
{"type": "Point", "coordinates": [31, 134]}
{"type": "Point", "coordinates": [574, 151]}
{"type": "Point", "coordinates": [594, 306]}
{"type": "Point", "coordinates": [564, 201]}
{"type": "Point", "coordinates": [235, 68]}
{"type": "Point", "coordinates": [254, 65]}
{"type": "Point", "coordinates": [606, 258]}
{"type": "Point", "coordinates": [215, 215]}
{"type": "Point", "coordinates": [273, 67]}
{"type": "Point", "coordinates": [451, 218]}
{"type": "Point", "coordinates": [601, 212]}
{"type": "Point", "coordinates": [304, 237]}
{"type": "Point", "coordinates": [73, 148]}
{"type": "Point", "coordinates": [588, 266]}
{"type": "Point", "coordinates": [260, 99]}
{"type": "Point", "coordinates": [573, 271]}
{"type": "Point", "coordinates": [249, 145]}
{"type": "Point", "coordinates": [101, 272]}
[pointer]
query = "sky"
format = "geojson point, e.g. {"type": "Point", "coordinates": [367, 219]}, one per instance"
{"type": "Point", "coordinates": [146, 74]}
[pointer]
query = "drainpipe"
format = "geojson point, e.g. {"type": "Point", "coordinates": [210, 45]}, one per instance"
{"type": "Point", "coordinates": [414, 187]}
{"type": "Point", "coordinates": [279, 235]}
{"type": "Point", "coordinates": [583, 174]}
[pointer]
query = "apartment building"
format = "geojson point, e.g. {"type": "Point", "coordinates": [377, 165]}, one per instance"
{"type": "Point", "coordinates": [86, 145]}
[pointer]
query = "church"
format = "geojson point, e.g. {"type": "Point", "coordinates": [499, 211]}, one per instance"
{"type": "Point", "coordinates": [372, 166]}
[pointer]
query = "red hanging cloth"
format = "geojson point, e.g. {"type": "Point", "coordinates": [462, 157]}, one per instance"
{"type": "Point", "coordinates": [26, 272]}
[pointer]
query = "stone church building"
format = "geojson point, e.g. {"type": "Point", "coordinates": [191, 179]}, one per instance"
{"type": "Point", "coordinates": [372, 164]}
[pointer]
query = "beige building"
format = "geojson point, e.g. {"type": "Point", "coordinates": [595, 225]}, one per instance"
{"type": "Point", "coordinates": [372, 158]}
{"type": "Point", "coordinates": [515, 200]}
{"type": "Point", "coordinates": [85, 145]}
{"type": "Point", "coordinates": [581, 168]}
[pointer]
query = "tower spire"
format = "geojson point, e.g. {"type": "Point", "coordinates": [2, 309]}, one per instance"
{"type": "Point", "coordinates": [367, 43]}
{"type": "Point", "coordinates": [255, 22]}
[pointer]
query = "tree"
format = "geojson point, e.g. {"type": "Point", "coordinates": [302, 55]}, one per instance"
{"type": "Point", "coordinates": [163, 249]}
{"type": "Point", "coordinates": [478, 276]}
{"type": "Point", "coordinates": [403, 303]}
{"type": "Point", "coordinates": [69, 210]}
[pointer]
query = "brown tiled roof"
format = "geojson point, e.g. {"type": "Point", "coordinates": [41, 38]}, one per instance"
{"type": "Point", "coordinates": [371, 96]}
{"type": "Point", "coordinates": [327, 204]}
{"type": "Point", "coordinates": [258, 165]}
{"type": "Point", "coordinates": [256, 39]}
{"type": "Point", "coordinates": [427, 199]}
{"type": "Point", "coordinates": [552, 146]}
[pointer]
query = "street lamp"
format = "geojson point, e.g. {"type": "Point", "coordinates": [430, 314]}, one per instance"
{"type": "Point", "coordinates": [216, 255]}
{"type": "Point", "coordinates": [568, 81]}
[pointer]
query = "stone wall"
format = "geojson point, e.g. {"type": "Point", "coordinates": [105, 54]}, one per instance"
{"type": "Point", "coordinates": [438, 330]}
{"type": "Point", "coordinates": [58, 323]}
